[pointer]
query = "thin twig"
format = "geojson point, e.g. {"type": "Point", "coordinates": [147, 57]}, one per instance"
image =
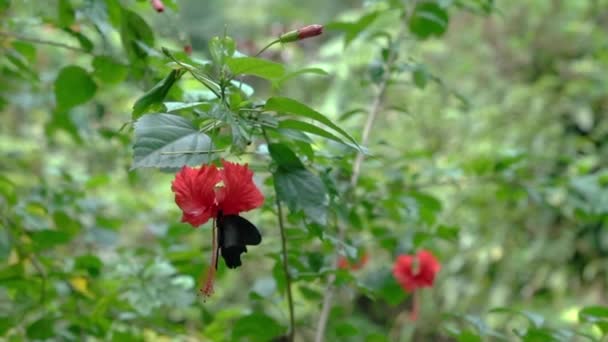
{"type": "Point", "coordinates": [42, 41]}
{"type": "Point", "coordinates": [371, 117]}
{"type": "Point", "coordinates": [292, 323]}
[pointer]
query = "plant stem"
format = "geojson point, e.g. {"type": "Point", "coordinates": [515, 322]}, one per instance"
{"type": "Point", "coordinates": [267, 46]}
{"type": "Point", "coordinates": [371, 117]}
{"type": "Point", "coordinates": [292, 323]}
{"type": "Point", "coordinates": [42, 41]}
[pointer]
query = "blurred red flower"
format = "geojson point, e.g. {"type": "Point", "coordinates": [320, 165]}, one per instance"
{"type": "Point", "coordinates": [221, 194]}
{"type": "Point", "coordinates": [345, 264]}
{"type": "Point", "coordinates": [416, 271]}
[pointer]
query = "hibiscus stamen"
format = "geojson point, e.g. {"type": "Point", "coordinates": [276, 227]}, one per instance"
{"type": "Point", "coordinates": [207, 289]}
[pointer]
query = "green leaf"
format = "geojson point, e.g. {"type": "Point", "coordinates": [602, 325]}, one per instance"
{"type": "Point", "coordinates": [27, 50]}
{"type": "Point", "coordinates": [390, 291]}
{"type": "Point", "coordinates": [5, 243]}
{"type": "Point", "coordinates": [469, 336]}
{"type": "Point", "coordinates": [421, 77]}
{"type": "Point", "coordinates": [46, 239]}
{"type": "Point", "coordinates": [90, 263]}
{"type": "Point", "coordinates": [165, 140]}
{"type": "Point", "coordinates": [134, 32]}
{"type": "Point", "coordinates": [21, 63]}
{"type": "Point", "coordinates": [345, 329]}
{"type": "Point", "coordinates": [255, 66]}
{"type": "Point", "coordinates": [84, 42]}
{"type": "Point", "coordinates": [65, 13]}
{"type": "Point", "coordinates": [157, 94]}
{"type": "Point", "coordinates": [296, 186]}
{"type": "Point", "coordinates": [6, 322]}
{"type": "Point", "coordinates": [428, 19]}
{"type": "Point", "coordinates": [177, 106]}
{"type": "Point", "coordinates": [448, 232]}
{"type": "Point", "coordinates": [287, 105]}
{"type": "Point", "coordinates": [310, 128]}
{"type": "Point", "coordinates": [256, 327]}
{"type": "Point", "coordinates": [593, 314]}
{"type": "Point", "coordinates": [114, 11]}
{"type": "Point", "coordinates": [109, 70]}
{"type": "Point", "coordinates": [73, 87]}
{"type": "Point", "coordinates": [41, 329]}
{"type": "Point", "coordinates": [288, 76]}
{"type": "Point", "coordinates": [285, 157]}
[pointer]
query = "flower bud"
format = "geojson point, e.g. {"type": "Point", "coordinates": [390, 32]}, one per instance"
{"type": "Point", "coordinates": [188, 49]}
{"type": "Point", "coordinates": [310, 31]}
{"type": "Point", "coordinates": [302, 33]}
{"type": "Point", "coordinates": [157, 5]}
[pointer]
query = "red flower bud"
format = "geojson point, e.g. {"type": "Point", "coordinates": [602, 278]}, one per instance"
{"type": "Point", "coordinates": [310, 31]}
{"type": "Point", "coordinates": [188, 49]}
{"type": "Point", "coordinates": [302, 33]}
{"type": "Point", "coordinates": [157, 5]}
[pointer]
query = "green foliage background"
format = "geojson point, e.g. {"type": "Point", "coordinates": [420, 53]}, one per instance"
{"type": "Point", "coordinates": [490, 148]}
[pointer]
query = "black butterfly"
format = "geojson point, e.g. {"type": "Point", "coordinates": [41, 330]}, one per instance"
{"type": "Point", "coordinates": [235, 233]}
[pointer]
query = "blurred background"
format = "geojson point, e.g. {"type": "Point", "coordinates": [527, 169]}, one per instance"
{"type": "Point", "coordinates": [490, 149]}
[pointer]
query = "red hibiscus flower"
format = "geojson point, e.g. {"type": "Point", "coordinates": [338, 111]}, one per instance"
{"type": "Point", "coordinates": [220, 194]}
{"type": "Point", "coordinates": [416, 271]}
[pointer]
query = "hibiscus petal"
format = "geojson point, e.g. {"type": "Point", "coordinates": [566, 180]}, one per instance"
{"type": "Point", "coordinates": [239, 192]}
{"type": "Point", "coordinates": [403, 273]}
{"type": "Point", "coordinates": [429, 266]}
{"type": "Point", "coordinates": [195, 193]}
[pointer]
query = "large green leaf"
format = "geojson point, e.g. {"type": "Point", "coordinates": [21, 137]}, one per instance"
{"type": "Point", "coordinates": [73, 87]}
{"type": "Point", "coordinates": [255, 66]}
{"type": "Point", "coordinates": [169, 141]}
{"type": "Point", "coordinates": [295, 185]}
{"type": "Point", "coordinates": [287, 105]}
{"type": "Point", "coordinates": [428, 19]}
{"type": "Point", "coordinates": [109, 70]}
{"type": "Point", "coordinates": [157, 94]}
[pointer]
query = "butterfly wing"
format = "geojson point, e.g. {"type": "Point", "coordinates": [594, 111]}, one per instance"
{"type": "Point", "coordinates": [235, 233]}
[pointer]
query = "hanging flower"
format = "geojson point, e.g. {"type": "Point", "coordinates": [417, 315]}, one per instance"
{"type": "Point", "coordinates": [220, 194]}
{"type": "Point", "coordinates": [416, 271]}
